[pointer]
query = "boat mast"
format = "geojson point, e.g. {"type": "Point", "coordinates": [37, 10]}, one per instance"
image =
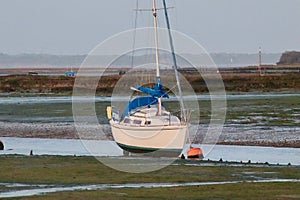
{"type": "Point", "coordinates": [154, 12]}
{"type": "Point", "coordinates": [183, 114]}
{"type": "Point", "coordinates": [259, 62]}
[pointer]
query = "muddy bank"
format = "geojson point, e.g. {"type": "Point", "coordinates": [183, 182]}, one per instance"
{"type": "Point", "coordinates": [229, 136]}
{"type": "Point", "coordinates": [288, 144]}
{"type": "Point", "coordinates": [53, 130]}
{"type": "Point", "coordinates": [234, 82]}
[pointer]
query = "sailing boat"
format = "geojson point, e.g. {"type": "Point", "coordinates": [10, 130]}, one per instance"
{"type": "Point", "coordinates": [145, 125]}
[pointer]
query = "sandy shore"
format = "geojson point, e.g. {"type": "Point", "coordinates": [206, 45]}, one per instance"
{"type": "Point", "coordinates": [65, 130]}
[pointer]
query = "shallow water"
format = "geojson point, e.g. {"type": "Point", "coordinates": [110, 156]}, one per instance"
{"type": "Point", "coordinates": [109, 148]}
{"type": "Point", "coordinates": [63, 147]}
{"type": "Point", "coordinates": [51, 189]}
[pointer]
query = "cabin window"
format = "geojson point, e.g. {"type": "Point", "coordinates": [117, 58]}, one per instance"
{"type": "Point", "coordinates": [147, 122]}
{"type": "Point", "coordinates": [126, 121]}
{"type": "Point", "coordinates": [137, 122]}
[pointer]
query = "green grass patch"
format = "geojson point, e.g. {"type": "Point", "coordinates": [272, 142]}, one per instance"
{"type": "Point", "coordinates": [88, 170]}
{"type": "Point", "coordinates": [68, 170]}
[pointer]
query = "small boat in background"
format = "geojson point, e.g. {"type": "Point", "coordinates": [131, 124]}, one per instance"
{"type": "Point", "coordinates": [70, 73]}
{"type": "Point", "coordinates": [32, 73]}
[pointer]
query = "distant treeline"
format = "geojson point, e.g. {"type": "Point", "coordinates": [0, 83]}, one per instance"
{"type": "Point", "coordinates": [221, 59]}
{"type": "Point", "coordinates": [290, 58]}
{"type": "Point", "coordinates": [40, 59]}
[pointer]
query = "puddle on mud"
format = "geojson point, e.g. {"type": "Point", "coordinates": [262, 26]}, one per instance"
{"type": "Point", "coordinates": [44, 189]}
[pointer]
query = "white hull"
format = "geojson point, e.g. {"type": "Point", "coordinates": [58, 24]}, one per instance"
{"type": "Point", "coordinates": [149, 138]}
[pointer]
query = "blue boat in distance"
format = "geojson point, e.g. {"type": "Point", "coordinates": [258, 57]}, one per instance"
{"type": "Point", "coordinates": [70, 73]}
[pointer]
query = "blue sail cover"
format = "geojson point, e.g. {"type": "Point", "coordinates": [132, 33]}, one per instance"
{"type": "Point", "coordinates": [138, 102]}
{"type": "Point", "coordinates": [156, 92]}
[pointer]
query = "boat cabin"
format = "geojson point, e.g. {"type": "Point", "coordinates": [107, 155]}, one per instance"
{"type": "Point", "coordinates": [148, 117]}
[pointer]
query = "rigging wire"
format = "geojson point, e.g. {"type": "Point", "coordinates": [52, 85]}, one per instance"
{"type": "Point", "coordinates": [174, 61]}
{"type": "Point", "coordinates": [175, 15]}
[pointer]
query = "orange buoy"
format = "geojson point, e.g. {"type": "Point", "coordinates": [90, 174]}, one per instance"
{"type": "Point", "coordinates": [194, 153]}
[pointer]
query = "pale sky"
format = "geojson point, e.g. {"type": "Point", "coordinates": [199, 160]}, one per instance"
{"type": "Point", "coordinates": [77, 26]}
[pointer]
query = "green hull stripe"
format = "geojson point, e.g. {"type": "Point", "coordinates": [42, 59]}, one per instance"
{"type": "Point", "coordinates": [136, 149]}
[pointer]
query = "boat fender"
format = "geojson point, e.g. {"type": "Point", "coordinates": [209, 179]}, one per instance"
{"type": "Point", "coordinates": [109, 112]}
